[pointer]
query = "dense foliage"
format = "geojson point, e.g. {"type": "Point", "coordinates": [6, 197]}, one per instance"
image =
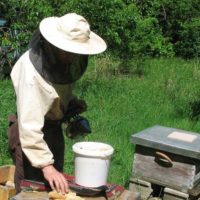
{"type": "Point", "coordinates": [130, 27]}
{"type": "Point", "coordinates": [179, 21]}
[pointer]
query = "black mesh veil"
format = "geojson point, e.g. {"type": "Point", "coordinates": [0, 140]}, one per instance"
{"type": "Point", "coordinates": [49, 68]}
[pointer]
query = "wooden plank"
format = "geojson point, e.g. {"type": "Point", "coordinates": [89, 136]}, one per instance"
{"type": "Point", "coordinates": [7, 176]}
{"type": "Point", "coordinates": [176, 193]}
{"type": "Point", "coordinates": [6, 192]}
{"type": "Point", "coordinates": [126, 195]}
{"type": "Point", "coordinates": [195, 191]}
{"type": "Point", "coordinates": [31, 196]}
{"type": "Point", "coordinates": [197, 179]}
{"type": "Point", "coordinates": [182, 159]}
{"type": "Point", "coordinates": [7, 173]}
{"type": "Point", "coordinates": [180, 176]}
{"type": "Point", "coordinates": [11, 174]}
{"type": "Point", "coordinates": [140, 187]}
{"type": "Point", "coordinates": [129, 195]}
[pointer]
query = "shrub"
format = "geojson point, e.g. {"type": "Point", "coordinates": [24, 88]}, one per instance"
{"type": "Point", "coordinates": [189, 44]}
{"type": "Point", "coordinates": [131, 28]}
{"type": "Point", "coordinates": [179, 21]}
{"type": "Point", "coordinates": [23, 18]}
{"type": "Point", "coordinates": [125, 30]}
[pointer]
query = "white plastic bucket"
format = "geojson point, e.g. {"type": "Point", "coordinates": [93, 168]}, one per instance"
{"type": "Point", "coordinates": [92, 161]}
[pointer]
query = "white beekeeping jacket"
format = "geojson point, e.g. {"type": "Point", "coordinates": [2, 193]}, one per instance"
{"type": "Point", "coordinates": [37, 100]}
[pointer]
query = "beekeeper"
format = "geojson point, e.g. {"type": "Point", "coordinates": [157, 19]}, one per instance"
{"type": "Point", "coordinates": [42, 79]}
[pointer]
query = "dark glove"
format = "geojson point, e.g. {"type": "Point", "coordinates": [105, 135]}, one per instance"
{"type": "Point", "coordinates": [77, 104]}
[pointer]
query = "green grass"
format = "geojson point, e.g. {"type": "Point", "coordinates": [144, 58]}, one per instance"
{"type": "Point", "coordinates": [121, 105]}
{"type": "Point", "coordinates": [7, 106]}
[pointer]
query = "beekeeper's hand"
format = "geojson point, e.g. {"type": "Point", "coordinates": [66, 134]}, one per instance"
{"type": "Point", "coordinates": [55, 178]}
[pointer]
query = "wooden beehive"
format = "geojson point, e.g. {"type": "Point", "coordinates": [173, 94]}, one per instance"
{"type": "Point", "coordinates": [168, 157]}
{"type": "Point", "coordinates": [7, 189]}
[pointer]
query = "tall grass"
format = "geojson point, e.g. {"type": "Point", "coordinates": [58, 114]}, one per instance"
{"type": "Point", "coordinates": [7, 106]}
{"type": "Point", "coordinates": [157, 91]}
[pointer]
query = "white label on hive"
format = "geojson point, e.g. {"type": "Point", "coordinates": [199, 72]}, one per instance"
{"type": "Point", "coordinates": [182, 136]}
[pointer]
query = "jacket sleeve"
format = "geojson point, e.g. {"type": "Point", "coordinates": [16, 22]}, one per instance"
{"type": "Point", "coordinates": [33, 102]}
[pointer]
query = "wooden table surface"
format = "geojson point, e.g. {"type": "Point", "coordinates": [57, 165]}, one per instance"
{"type": "Point", "coordinates": [126, 195]}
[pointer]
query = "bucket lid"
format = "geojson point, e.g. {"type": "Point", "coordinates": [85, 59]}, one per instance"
{"type": "Point", "coordinates": [94, 149]}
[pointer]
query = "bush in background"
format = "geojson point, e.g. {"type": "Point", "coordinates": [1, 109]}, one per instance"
{"type": "Point", "coordinates": [22, 18]}
{"type": "Point", "coordinates": [131, 28]}
{"type": "Point", "coordinates": [189, 44]}
{"type": "Point", "coordinates": [127, 33]}
{"type": "Point", "coordinates": [179, 21]}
